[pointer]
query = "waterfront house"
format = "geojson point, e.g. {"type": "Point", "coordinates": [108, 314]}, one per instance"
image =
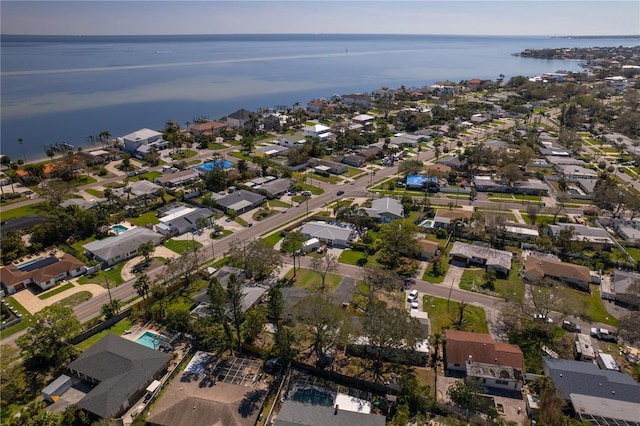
{"type": "Point", "coordinates": [117, 371]}
{"type": "Point", "coordinates": [43, 272]}
{"type": "Point", "coordinates": [207, 128]}
{"type": "Point", "coordinates": [123, 246]}
{"type": "Point", "coordinates": [481, 255]}
{"type": "Point", "coordinates": [142, 142]}
{"type": "Point", "coordinates": [240, 118]}
{"type": "Point", "coordinates": [497, 365]}
{"type": "Point", "coordinates": [359, 99]}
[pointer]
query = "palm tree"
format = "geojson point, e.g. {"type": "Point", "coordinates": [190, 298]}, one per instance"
{"type": "Point", "coordinates": [142, 286]}
{"type": "Point", "coordinates": [21, 142]}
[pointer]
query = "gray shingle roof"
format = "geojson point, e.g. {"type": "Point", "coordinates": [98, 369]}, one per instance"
{"type": "Point", "coordinates": [295, 413]}
{"type": "Point", "coordinates": [493, 257]}
{"type": "Point", "coordinates": [584, 378]}
{"type": "Point", "coordinates": [326, 231]}
{"type": "Point", "coordinates": [121, 367]}
{"type": "Point", "coordinates": [123, 243]}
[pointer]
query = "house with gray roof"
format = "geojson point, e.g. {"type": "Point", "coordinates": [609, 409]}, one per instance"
{"type": "Point", "coordinates": [185, 220]}
{"type": "Point", "coordinates": [294, 413]}
{"type": "Point", "coordinates": [274, 188]}
{"type": "Point", "coordinates": [123, 246]}
{"type": "Point", "coordinates": [240, 201]}
{"type": "Point", "coordinates": [605, 411]}
{"type": "Point", "coordinates": [179, 178]}
{"type": "Point", "coordinates": [330, 234]}
{"type": "Point", "coordinates": [140, 190]}
{"type": "Point", "coordinates": [481, 255]}
{"type": "Point", "coordinates": [591, 236]}
{"type": "Point", "coordinates": [385, 209]}
{"type": "Point", "coordinates": [623, 283]}
{"type": "Point", "coordinates": [585, 378]}
{"type": "Point", "coordinates": [119, 371]}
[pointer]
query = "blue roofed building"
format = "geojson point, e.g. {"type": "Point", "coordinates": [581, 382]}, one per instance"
{"type": "Point", "coordinates": [423, 182]}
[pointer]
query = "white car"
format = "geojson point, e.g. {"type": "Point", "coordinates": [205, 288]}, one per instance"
{"type": "Point", "coordinates": [541, 317]}
{"type": "Point", "coordinates": [412, 296]}
{"type": "Point", "coordinates": [415, 305]}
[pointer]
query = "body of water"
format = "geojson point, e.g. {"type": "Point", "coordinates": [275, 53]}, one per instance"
{"type": "Point", "coordinates": [64, 89]}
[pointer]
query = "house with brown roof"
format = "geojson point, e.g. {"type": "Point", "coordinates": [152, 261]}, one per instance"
{"type": "Point", "coordinates": [497, 365]}
{"type": "Point", "coordinates": [44, 272]}
{"type": "Point", "coordinates": [536, 267]}
{"type": "Point", "coordinates": [206, 128]}
{"type": "Point", "coordinates": [445, 218]}
{"type": "Point", "coordinates": [428, 249]}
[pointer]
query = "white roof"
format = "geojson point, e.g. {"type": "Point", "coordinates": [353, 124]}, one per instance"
{"type": "Point", "coordinates": [351, 403]}
{"type": "Point", "coordinates": [317, 128]}
{"type": "Point", "coordinates": [363, 117]}
{"type": "Point", "coordinates": [142, 134]}
{"type": "Point", "coordinates": [176, 213]}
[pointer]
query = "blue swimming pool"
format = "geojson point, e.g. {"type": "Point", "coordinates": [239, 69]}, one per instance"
{"type": "Point", "coordinates": [213, 164]}
{"type": "Point", "coordinates": [119, 229]}
{"type": "Point", "coordinates": [427, 223]}
{"type": "Point", "coordinates": [150, 340]}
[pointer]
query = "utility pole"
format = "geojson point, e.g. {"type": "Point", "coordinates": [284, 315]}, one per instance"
{"type": "Point", "coordinates": [106, 281]}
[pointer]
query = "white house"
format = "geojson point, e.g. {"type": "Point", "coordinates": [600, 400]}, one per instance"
{"type": "Point", "coordinates": [317, 131]}
{"type": "Point", "coordinates": [142, 142]}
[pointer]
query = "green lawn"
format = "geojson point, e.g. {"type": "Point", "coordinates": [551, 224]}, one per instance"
{"type": "Point", "coordinates": [54, 291]}
{"type": "Point", "coordinates": [442, 312]}
{"type": "Point", "coordinates": [512, 287]}
{"type": "Point", "coordinates": [429, 276]}
{"type": "Point", "coordinates": [273, 239]}
{"type": "Point", "coordinates": [353, 172]}
{"type": "Point", "coordinates": [144, 219]}
{"type": "Point", "coordinates": [82, 180]}
{"type": "Point", "coordinates": [26, 318]}
{"type": "Point", "coordinates": [225, 232]}
{"type": "Point", "coordinates": [185, 153]}
{"type": "Point", "coordinates": [75, 299]}
{"type": "Point", "coordinates": [215, 146]}
{"type": "Point", "coordinates": [118, 329]}
{"type": "Point", "coordinates": [181, 246]}
{"type": "Point", "coordinates": [634, 252]}
{"type": "Point", "coordinates": [94, 192]}
{"type": "Point", "coordinates": [278, 203]}
{"type": "Point", "coordinates": [351, 257]}
{"type": "Point", "coordinates": [308, 279]}
{"type": "Point", "coordinates": [589, 306]}
{"type": "Point", "coordinates": [36, 209]}
{"type": "Point", "coordinates": [328, 179]}
{"type": "Point", "coordinates": [150, 176]}
{"type": "Point", "coordinates": [113, 274]}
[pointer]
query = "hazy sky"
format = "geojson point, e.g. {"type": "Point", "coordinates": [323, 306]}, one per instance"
{"type": "Point", "coordinates": [515, 17]}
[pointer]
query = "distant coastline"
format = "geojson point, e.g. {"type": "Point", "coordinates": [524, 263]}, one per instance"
{"type": "Point", "coordinates": [602, 37]}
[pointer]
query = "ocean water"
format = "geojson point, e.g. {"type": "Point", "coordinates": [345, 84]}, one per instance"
{"type": "Point", "coordinates": [64, 89]}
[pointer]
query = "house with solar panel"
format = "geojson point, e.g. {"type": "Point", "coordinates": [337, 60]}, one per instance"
{"type": "Point", "coordinates": [43, 272]}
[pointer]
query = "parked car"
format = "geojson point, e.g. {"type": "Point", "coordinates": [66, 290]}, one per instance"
{"type": "Point", "coordinates": [339, 192]}
{"type": "Point", "coordinates": [306, 193]}
{"type": "Point", "coordinates": [413, 295]}
{"type": "Point", "coordinates": [608, 338]}
{"type": "Point", "coordinates": [595, 332]}
{"type": "Point", "coordinates": [571, 326]}
{"type": "Point", "coordinates": [415, 305]}
{"type": "Point", "coordinates": [541, 317]}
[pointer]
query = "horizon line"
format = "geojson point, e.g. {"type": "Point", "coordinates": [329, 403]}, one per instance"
{"type": "Point", "coordinates": [320, 34]}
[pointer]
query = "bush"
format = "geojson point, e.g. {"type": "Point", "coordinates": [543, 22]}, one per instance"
{"type": "Point", "coordinates": [442, 234]}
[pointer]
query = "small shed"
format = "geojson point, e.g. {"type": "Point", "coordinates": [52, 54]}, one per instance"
{"type": "Point", "coordinates": [310, 244]}
{"type": "Point", "coordinates": [56, 388]}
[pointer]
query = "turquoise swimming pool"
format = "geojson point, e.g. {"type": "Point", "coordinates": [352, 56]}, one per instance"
{"type": "Point", "coordinates": [150, 340]}
{"type": "Point", "coordinates": [119, 229]}
{"type": "Point", "coordinates": [427, 223]}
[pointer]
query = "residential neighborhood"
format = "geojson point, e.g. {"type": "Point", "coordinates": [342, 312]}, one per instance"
{"type": "Point", "coordinates": [450, 254]}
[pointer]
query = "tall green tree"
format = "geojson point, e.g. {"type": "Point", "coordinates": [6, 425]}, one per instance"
{"type": "Point", "coordinates": [235, 296]}
{"type": "Point", "coordinates": [218, 309]}
{"type": "Point", "coordinates": [389, 328]}
{"type": "Point", "coordinates": [322, 323]}
{"type": "Point", "coordinates": [292, 245]}
{"type": "Point", "coordinates": [466, 394]}
{"type": "Point", "coordinates": [48, 338]}
{"type": "Point", "coordinates": [142, 285]}
{"type": "Point", "coordinates": [146, 250]}
{"type": "Point", "coordinates": [398, 239]}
